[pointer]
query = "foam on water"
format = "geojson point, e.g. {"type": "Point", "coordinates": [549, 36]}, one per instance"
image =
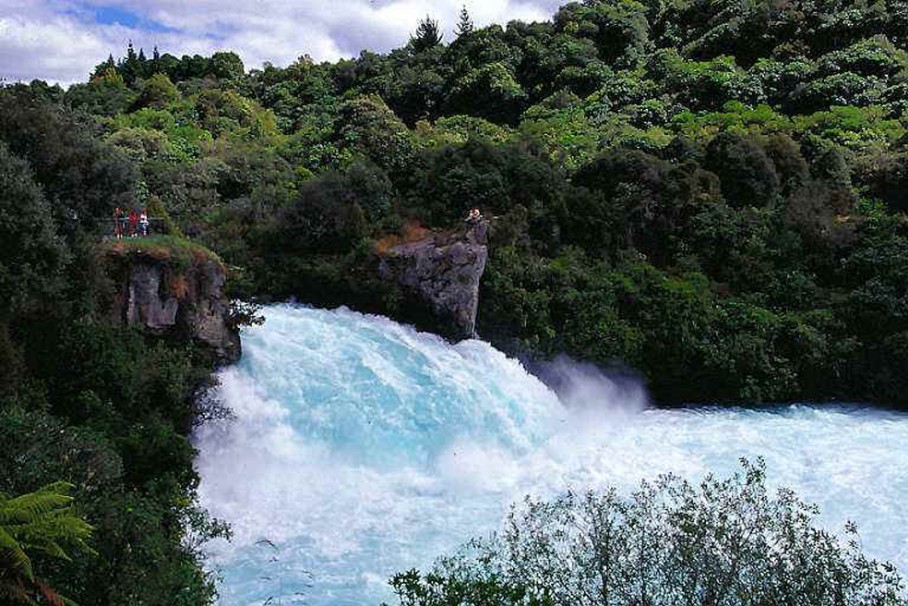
{"type": "Point", "coordinates": [360, 447]}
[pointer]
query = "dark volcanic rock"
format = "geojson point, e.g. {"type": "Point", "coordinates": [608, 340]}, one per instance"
{"type": "Point", "coordinates": [443, 271]}
{"type": "Point", "coordinates": [183, 299]}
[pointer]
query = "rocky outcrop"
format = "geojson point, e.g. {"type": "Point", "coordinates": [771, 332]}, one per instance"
{"type": "Point", "coordinates": [179, 293]}
{"type": "Point", "coordinates": [443, 271]}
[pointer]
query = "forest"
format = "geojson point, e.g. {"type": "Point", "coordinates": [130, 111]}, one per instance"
{"type": "Point", "coordinates": [712, 194]}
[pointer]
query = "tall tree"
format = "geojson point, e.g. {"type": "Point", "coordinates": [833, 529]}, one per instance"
{"type": "Point", "coordinates": [465, 24]}
{"type": "Point", "coordinates": [107, 68]}
{"type": "Point", "coordinates": [155, 60]}
{"type": "Point", "coordinates": [428, 34]}
{"type": "Point", "coordinates": [131, 66]}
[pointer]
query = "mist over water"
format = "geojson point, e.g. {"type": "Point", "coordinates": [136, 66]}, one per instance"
{"type": "Point", "coordinates": [584, 389]}
{"type": "Point", "coordinates": [360, 447]}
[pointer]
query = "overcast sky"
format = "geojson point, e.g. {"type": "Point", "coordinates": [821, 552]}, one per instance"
{"type": "Point", "coordinates": [62, 41]}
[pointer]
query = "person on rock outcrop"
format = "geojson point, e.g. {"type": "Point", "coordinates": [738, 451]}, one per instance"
{"type": "Point", "coordinates": [474, 217]}
{"type": "Point", "coordinates": [143, 223]}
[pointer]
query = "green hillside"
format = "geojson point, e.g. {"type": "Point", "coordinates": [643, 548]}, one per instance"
{"type": "Point", "coordinates": [710, 193]}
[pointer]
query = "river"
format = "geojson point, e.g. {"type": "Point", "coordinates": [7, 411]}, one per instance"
{"type": "Point", "coordinates": [359, 447]}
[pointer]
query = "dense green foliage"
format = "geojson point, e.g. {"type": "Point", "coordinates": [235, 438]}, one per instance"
{"type": "Point", "coordinates": [724, 542]}
{"type": "Point", "coordinates": [103, 408]}
{"type": "Point", "coordinates": [713, 194]}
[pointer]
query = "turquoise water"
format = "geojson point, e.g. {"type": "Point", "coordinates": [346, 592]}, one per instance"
{"type": "Point", "coordinates": [359, 447]}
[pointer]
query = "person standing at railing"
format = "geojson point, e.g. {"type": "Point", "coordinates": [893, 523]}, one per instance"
{"type": "Point", "coordinates": [143, 222]}
{"type": "Point", "coordinates": [118, 225]}
{"type": "Point", "coordinates": [133, 220]}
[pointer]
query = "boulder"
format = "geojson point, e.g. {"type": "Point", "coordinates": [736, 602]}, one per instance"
{"type": "Point", "coordinates": [443, 271]}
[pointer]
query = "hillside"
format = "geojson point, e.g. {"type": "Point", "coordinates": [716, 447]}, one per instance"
{"type": "Point", "coordinates": [712, 194]}
{"type": "Point", "coordinates": [709, 193]}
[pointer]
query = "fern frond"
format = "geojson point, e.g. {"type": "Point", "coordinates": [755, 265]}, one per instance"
{"type": "Point", "coordinates": [13, 557]}
{"type": "Point", "coordinates": [42, 521]}
{"type": "Point", "coordinates": [28, 507]}
{"type": "Point", "coordinates": [47, 533]}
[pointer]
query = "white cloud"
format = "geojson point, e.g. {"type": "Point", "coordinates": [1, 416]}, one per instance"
{"type": "Point", "coordinates": [61, 41]}
{"type": "Point", "coordinates": [56, 50]}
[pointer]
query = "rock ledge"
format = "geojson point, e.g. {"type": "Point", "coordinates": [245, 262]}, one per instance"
{"type": "Point", "coordinates": [443, 271]}
{"type": "Point", "coordinates": [168, 291]}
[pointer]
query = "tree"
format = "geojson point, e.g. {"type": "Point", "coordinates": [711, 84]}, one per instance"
{"type": "Point", "coordinates": [106, 68]}
{"type": "Point", "coordinates": [130, 67]}
{"type": "Point", "coordinates": [428, 34]}
{"type": "Point", "coordinates": [619, 29]}
{"type": "Point", "coordinates": [726, 542]}
{"type": "Point", "coordinates": [41, 522]}
{"type": "Point", "coordinates": [82, 177]}
{"type": "Point", "coordinates": [465, 25]}
{"type": "Point", "coordinates": [32, 256]}
{"type": "Point", "coordinates": [156, 91]}
{"type": "Point", "coordinates": [369, 127]}
{"type": "Point", "coordinates": [227, 66]}
{"type": "Point", "coordinates": [747, 174]}
{"type": "Point", "coordinates": [105, 95]}
{"type": "Point", "coordinates": [490, 91]}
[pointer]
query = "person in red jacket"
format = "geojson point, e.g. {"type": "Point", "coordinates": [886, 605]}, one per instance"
{"type": "Point", "coordinates": [133, 220]}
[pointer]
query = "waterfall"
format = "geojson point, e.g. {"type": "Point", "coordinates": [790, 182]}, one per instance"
{"type": "Point", "coordinates": [359, 447]}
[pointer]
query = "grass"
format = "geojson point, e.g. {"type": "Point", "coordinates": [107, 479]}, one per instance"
{"type": "Point", "coordinates": [179, 252]}
{"type": "Point", "coordinates": [411, 232]}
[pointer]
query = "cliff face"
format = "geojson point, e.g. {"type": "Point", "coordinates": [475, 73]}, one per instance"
{"type": "Point", "coordinates": [167, 295]}
{"type": "Point", "coordinates": [443, 271]}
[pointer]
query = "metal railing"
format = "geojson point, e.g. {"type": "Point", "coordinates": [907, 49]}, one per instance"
{"type": "Point", "coordinates": [107, 228]}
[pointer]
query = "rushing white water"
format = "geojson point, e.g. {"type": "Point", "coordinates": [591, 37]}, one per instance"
{"type": "Point", "coordinates": [360, 447]}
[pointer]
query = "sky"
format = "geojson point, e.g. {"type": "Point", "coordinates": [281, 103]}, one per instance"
{"type": "Point", "coordinates": [60, 41]}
